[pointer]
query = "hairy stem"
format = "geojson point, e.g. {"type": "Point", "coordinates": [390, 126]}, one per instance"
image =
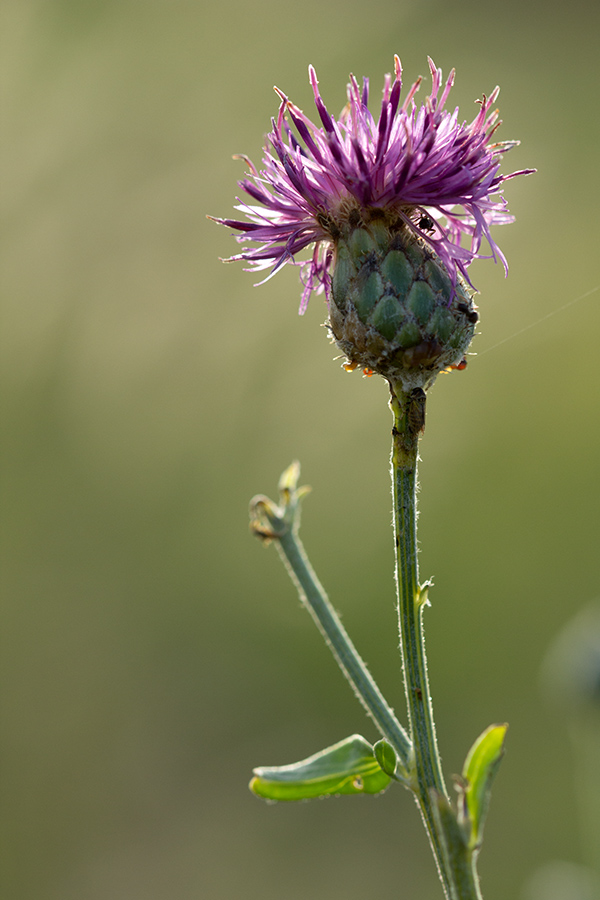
{"type": "Point", "coordinates": [282, 527]}
{"type": "Point", "coordinates": [337, 638]}
{"type": "Point", "coordinates": [458, 878]}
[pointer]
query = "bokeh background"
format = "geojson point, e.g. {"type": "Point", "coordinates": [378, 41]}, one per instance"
{"type": "Point", "coordinates": [153, 652]}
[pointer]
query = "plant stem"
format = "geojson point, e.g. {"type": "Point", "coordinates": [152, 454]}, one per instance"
{"type": "Point", "coordinates": [281, 524]}
{"type": "Point", "coordinates": [354, 668]}
{"type": "Point", "coordinates": [428, 785]}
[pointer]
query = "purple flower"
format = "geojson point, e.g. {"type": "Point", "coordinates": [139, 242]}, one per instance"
{"type": "Point", "coordinates": [418, 166]}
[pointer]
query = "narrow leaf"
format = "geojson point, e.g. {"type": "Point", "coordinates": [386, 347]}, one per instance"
{"type": "Point", "coordinates": [479, 771]}
{"type": "Point", "coordinates": [348, 767]}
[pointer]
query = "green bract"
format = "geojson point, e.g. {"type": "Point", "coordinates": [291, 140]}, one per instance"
{"type": "Point", "coordinates": [394, 310]}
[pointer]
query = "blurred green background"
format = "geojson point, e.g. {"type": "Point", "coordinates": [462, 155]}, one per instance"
{"type": "Point", "coordinates": [152, 651]}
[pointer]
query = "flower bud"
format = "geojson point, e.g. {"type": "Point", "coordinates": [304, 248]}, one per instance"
{"type": "Point", "coordinates": [393, 308]}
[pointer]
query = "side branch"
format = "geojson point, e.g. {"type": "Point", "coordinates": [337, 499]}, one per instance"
{"type": "Point", "coordinates": [280, 524]}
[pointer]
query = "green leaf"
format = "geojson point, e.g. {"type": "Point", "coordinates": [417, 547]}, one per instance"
{"type": "Point", "coordinates": [348, 767]}
{"type": "Point", "coordinates": [386, 757]}
{"type": "Point", "coordinates": [478, 774]}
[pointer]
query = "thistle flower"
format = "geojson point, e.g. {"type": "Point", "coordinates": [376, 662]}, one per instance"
{"type": "Point", "coordinates": [386, 205]}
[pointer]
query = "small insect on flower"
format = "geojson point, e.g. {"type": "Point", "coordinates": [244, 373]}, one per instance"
{"type": "Point", "coordinates": [471, 313]}
{"type": "Point", "coordinates": [426, 223]}
{"type": "Point", "coordinates": [395, 210]}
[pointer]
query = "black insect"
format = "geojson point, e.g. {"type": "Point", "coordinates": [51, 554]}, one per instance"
{"type": "Point", "coordinates": [471, 314]}
{"type": "Point", "coordinates": [426, 223]}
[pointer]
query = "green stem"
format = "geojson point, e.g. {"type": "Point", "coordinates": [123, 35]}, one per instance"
{"type": "Point", "coordinates": [460, 883]}
{"type": "Point", "coordinates": [281, 525]}
{"type": "Point", "coordinates": [336, 636]}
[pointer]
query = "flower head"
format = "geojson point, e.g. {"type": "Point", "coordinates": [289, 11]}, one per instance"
{"type": "Point", "coordinates": [417, 169]}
